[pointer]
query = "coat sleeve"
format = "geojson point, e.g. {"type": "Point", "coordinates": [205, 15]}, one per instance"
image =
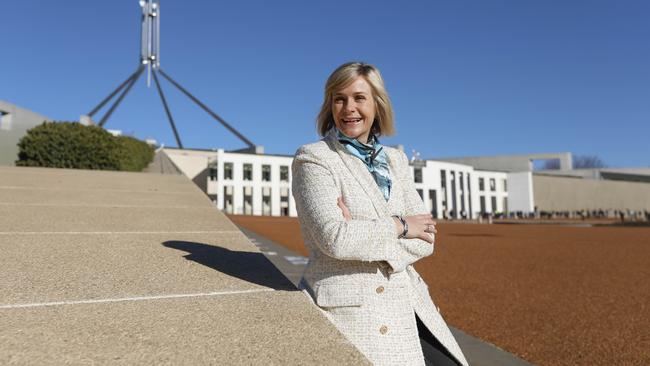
{"type": "Point", "coordinates": [411, 250]}
{"type": "Point", "coordinates": [315, 192]}
{"type": "Point", "coordinates": [412, 201]}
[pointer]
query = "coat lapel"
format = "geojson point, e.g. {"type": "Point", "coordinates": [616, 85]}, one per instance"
{"type": "Point", "coordinates": [359, 171]}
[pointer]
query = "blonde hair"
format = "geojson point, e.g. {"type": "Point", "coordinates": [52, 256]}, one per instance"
{"type": "Point", "coordinates": [343, 76]}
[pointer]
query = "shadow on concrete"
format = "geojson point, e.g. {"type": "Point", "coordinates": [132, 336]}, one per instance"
{"type": "Point", "coordinates": [250, 267]}
{"type": "Point", "coordinates": [201, 180]}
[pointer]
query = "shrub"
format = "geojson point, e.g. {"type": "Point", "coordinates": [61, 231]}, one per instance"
{"type": "Point", "coordinates": [136, 154]}
{"type": "Point", "coordinates": [73, 145]}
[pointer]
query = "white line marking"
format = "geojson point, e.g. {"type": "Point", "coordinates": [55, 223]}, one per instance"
{"type": "Point", "coordinates": [297, 260]}
{"type": "Point", "coordinates": [95, 190]}
{"type": "Point", "coordinates": [115, 232]}
{"type": "Point", "coordinates": [211, 207]}
{"type": "Point", "coordinates": [139, 298]}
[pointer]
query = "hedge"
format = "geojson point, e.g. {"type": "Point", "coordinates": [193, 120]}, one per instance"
{"type": "Point", "coordinates": [73, 145]}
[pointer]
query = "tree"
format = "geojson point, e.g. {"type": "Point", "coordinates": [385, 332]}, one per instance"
{"type": "Point", "coordinates": [587, 162]}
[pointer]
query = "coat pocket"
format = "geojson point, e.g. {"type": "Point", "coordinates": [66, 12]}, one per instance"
{"type": "Point", "coordinates": [333, 295]}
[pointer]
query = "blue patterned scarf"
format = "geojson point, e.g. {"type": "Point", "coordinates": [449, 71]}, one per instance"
{"type": "Point", "coordinates": [373, 156]}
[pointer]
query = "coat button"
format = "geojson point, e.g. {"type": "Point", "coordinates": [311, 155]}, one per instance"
{"type": "Point", "coordinates": [383, 329]}
{"type": "Point", "coordinates": [380, 289]}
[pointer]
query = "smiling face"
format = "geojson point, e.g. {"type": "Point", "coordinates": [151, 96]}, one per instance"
{"type": "Point", "coordinates": [353, 109]}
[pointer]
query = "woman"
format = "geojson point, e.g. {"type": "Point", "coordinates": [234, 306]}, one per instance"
{"type": "Point", "coordinates": [365, 225]}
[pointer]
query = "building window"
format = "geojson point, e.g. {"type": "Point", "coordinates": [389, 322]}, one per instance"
{"type": "Point", "coordinates": [481, 184]}
{"type": "Point", "coordinates": [469, 196]}
{"type": "Point", "coordinates": [266, 173]}
{"type": "Point", "coordinates": [482, 199]}
{"type": "Point", "coordinates": [421, 193]}
{"type": "Point", "coordinates": [461, 180]}
{"type": "Point", "coordinates": [505, 205]}
{"type": "Point", "coordinates": [443, 192]}
{"type": "Point", "coordinates": [505, 185]}
{"type": "Point", "coordinates": [494, 204]}
{"type": "Point", "coordinates": [493, 185]}
{"type": "Point", "coordinates": [5, 121]}
{"type": "Point", "coordinates": [213, 172]}
{"type": "Point", "coordinates": [227, 199]}
{"type": "Point", "coordinates": [433, 203]}
{"type": "Point", "coordinates": [227, 170]}
{"type": "Point", "coordinates": [284, 201]}
{"type": "Point", "coordinates": [284, 173]}
{"type": "Point", "coordinates": [454, 200]}
{"type": "Point", "coordinates": [248, 200]}
{"type": "Point", "coordinates": [266, 201]}
{"type": "Point", "coordinates": [248, 171]}
{"type": "Point", "coordinates": [417, 175]}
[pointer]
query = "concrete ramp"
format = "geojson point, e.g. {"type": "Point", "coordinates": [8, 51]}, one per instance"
{"type": "Point", "coordinates": [131, 268]}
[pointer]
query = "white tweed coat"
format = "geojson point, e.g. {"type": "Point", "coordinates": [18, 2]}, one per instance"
{"type": "Point", "coordinates": [359, 273]}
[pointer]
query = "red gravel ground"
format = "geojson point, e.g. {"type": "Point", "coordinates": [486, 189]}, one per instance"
{"type": "Point", "coordinates": [552, 295]}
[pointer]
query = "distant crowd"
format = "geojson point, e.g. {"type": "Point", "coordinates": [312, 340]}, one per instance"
{"type": "Point", "coordinates": [622, 215]}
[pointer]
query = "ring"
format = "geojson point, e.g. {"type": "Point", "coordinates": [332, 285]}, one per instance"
{"type": "Point", "coordinates": [428, 228]}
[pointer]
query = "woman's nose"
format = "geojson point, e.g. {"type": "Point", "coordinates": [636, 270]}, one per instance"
{"type": "Point", "coordinates": [349, 106]}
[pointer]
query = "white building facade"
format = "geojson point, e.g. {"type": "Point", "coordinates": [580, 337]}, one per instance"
{"type": "Point", "coordinates": [240, 183]}
{"type": "Point", "coordinates": [260, 184]}
{"type": "Point", "coordinates": [457, 191]}
{"type": "Point", "coordinates": [251, 184]}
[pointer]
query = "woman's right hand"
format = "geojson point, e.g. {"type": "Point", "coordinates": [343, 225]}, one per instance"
{"type": "Point", "coordinates": [419, 227]}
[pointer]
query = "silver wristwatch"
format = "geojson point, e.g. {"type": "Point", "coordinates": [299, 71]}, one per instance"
{"type": "Point", "coordinates": [406, 226]}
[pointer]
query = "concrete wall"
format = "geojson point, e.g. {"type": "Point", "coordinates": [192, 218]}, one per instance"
{"type": "Point", "coordinates": [565, 193]}
{"type": "Point", "coordinates": [521, 192]}
{"type": "Point", "coordinates": [190, 162]}
{"type": "Point", "coordinates": [14, 123]}
{"type": "Point", "coordinates": [512, 163]}
{"type": "Point", "coordinates": [624, 174]}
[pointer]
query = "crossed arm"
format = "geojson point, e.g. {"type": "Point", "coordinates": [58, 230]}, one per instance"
{"type": "Point", "coordinates": [339, 236]}
{"type": "Point", "coordinates": [419, 226]}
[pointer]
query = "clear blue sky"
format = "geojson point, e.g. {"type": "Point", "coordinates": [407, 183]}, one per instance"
{"type": "Point", "coordinates": [466, 77]}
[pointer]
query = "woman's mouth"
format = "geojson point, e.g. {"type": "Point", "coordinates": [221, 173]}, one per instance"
{"type": "Point", "coordinates": [351, 120]}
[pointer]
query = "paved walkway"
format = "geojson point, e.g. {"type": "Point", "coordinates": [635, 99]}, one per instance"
{"type": "Point", "coordinates": [478, 352]}
{"type": "Point", "coordinates": [162, 164]}
{"type": "Point", "coordinates": [141, 269]}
